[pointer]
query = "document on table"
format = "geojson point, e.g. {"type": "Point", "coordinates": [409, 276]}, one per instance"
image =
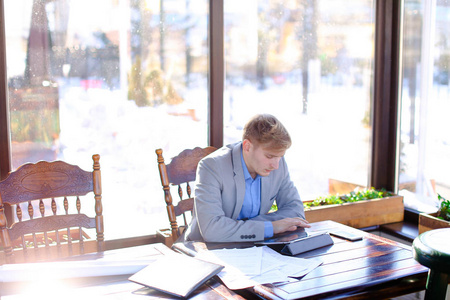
{"type": "Point", "coordinates": [257, 265]}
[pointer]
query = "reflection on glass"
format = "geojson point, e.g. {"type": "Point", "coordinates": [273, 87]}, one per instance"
{"type": "Point", "coordinates": [425, 143]}
{"type": "Point", "coordinates": [310, 64]}
{"type": "Point", "coordinates": [114, 77]}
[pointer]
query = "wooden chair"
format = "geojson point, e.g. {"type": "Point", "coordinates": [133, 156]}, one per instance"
{"type": "Point", "coordinates": [52, 229]}
{"type": "Point", "coordinates": [180, 172]}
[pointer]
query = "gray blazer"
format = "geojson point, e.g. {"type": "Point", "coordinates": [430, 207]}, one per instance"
{"type": "Point", "coordinates": [219, 194]}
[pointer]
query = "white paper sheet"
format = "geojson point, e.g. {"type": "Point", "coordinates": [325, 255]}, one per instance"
{"type": "Point", "coordinates": [241, 266]}
{"type": "Point", "coordinates": [248, 260]}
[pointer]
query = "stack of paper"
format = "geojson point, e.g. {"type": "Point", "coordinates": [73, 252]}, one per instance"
{"type": "Point", "coordinates": [257, 265]}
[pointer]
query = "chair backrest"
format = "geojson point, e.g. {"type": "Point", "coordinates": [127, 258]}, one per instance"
{"type": "Point", "coordinates": [42, 224]}
{"type": "Point", "coordinates": [180, 172]}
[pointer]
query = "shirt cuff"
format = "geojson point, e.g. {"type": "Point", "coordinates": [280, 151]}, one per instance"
{"type": "Point", "coordinates": [268, 229]}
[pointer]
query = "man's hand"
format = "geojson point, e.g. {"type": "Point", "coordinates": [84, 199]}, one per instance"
{"type": "Point", "coordinates": [288, 224]}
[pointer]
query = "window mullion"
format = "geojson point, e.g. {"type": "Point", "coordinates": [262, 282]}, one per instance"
{"type": "Point", "coordinates": [216, 72]}
{"type": "Point", "coordinates": [5, 148]}
{"type": "Point", "coordinates": [384, 167]}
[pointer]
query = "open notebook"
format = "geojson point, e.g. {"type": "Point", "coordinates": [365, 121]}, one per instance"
{"type": "Point", "coordinates": [176, 274]}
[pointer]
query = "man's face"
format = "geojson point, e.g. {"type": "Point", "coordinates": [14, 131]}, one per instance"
{"type": "Point", "coordinates": [259, 159]}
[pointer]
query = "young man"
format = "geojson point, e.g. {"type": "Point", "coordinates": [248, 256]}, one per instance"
{"type": "Point", "coordinates": [237, 185]}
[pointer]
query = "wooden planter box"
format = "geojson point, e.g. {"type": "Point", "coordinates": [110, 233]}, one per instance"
{"type": "Point", "coordinates": [429, 222]}
{"type": "Point", "coordinates": [360, 214]}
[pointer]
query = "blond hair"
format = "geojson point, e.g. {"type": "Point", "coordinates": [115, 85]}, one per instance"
{"type": "Point", "coordinates": [266, 130]}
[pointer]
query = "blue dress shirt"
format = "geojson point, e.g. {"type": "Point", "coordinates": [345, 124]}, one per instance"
{"type": "Point", "coordinates": [252, 199]}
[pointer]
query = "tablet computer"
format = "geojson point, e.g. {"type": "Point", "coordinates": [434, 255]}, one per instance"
{"type": "Point", "coordinates": [285, 238]}
{"type": "Point", "coordinates": [299, 241]}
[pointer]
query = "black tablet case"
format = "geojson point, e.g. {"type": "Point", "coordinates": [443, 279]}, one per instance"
{"type": "Point", "coordinates": [307, 244]}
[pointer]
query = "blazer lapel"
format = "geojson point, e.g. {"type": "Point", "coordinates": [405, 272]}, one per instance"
{"type": "Point", "coordinates": [265, 195]}
{"type": "Point", "coordinates": [238, 179]}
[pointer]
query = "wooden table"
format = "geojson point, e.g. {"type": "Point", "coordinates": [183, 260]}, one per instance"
{"type": "Point", "coordinates": [372, 268]}
{"type": "Point", "coordinates": [104, 286]}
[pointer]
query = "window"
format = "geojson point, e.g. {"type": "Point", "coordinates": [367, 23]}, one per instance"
{"type": "Point", "coordinates": [310, 63]}
{"type": "Point", "coordinates": [122, 78]}
{"type": "Point", "coordinates": [117, 78]}
{"type": "Point", "coordinates": [425, 142]}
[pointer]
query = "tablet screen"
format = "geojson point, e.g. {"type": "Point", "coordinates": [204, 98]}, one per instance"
{"type": "Point", "coordinates": [285, 238]}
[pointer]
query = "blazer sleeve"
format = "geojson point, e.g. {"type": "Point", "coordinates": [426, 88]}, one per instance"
{"type": "Point", "coordinates": [215, 202]}
{"type": "Point", "coordinates": [286, 197]}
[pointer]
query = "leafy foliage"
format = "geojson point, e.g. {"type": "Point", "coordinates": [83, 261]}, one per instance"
{"type": "Point", "coordinates": [444, 209]}
{"type": "Point", "coordinates": [354, 196]}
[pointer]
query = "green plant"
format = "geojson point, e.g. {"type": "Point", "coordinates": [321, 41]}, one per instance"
{"type": "Point", "coordinates": [444, 209]}
{"type": "Point", "coordinates": [354, 196]}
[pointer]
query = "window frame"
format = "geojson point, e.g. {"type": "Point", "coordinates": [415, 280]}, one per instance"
{"type": "Point", "coordinates": [386, 93]}
{"type": "Point", "coordinates": [386, 101]}
{"type": "Point", "coordinates": [5, 139]}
